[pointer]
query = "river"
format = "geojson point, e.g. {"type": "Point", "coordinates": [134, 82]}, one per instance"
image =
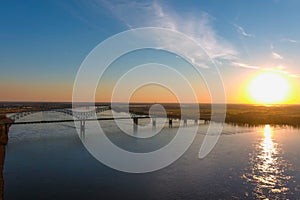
{"type": "Point", "coordinates": [49, 161]}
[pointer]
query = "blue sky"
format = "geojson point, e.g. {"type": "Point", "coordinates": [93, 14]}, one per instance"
{"type": "Point", "coordinates": [44, 42]}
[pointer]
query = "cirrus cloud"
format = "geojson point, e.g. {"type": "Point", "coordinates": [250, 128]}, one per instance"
{"type": "Point", "coordinates": [197, 26]}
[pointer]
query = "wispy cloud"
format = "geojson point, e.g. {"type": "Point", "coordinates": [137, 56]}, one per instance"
{"type": "Point", "coordinates": [243, 65]}
{"type": "Point", "coordinates": [198, 26]}
{"type": "Point", "coordinates": [136, 14]}
{"type": "Point", "coordinates": [290, 40]}
{"type": "Point", "coordinates": [276, 56]}
{"type": "Point", "coordinates": [242, 31]}
{"type": "Point", "coordinates": [277, 69]}
{"type": "Point", "coordinates": [282, 70]}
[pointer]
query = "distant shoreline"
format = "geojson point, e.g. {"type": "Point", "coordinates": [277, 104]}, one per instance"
{"type": "Point", "coordinates": [239, 114]}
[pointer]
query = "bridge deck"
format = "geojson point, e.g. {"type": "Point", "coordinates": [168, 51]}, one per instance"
{"type": "Point", "coordinates": [71, 120]}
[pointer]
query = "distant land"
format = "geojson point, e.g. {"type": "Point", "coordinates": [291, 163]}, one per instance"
{"type": "Point", "coordinates": [239, 114]}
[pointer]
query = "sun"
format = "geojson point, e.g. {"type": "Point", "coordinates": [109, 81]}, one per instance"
{"type": "Point", "coordinates": [269, 88]}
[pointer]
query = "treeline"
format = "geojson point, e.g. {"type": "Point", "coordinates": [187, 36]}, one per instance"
{"type": "Point", "coordinates": [239, 114]}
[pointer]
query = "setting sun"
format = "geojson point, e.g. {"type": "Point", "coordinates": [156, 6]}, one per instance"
{"type": "Point", "coordinates": [269, 88]}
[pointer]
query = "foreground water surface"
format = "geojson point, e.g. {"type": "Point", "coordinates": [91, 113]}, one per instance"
{"type": "Point", "coordinates": [48, 161]}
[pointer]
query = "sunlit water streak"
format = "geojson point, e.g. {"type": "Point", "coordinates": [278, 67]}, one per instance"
{"type": "Point", "coordinates": [267, 170]}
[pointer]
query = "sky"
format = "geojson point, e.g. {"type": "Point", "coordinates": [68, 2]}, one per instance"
{"type": "Point", "coordinates": [44, 43]}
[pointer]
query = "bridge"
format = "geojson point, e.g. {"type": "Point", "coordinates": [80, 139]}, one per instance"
{"type": "Point", "coordinates": [82, 116]}
{"type": "Point", "coordinates": [79, 115]}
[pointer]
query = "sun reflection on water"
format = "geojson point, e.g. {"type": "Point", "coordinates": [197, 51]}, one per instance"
{"type": "Point", "coordinates": [267, 169]}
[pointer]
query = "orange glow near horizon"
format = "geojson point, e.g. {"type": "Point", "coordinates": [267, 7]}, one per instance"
{"type": "Point", "coordinates": [267, 88]}
{"type": "Point", "coordinates": [43, 92]}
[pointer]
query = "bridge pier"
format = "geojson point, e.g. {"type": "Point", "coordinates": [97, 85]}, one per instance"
{"type": "Point", "coordinates": [153, 124]}
{"type": "Point", "coordinates": [82, 129]}
{"type": "Point", "coordinates": [135, 124]}
{"type": "Point", "coordinates": [185, 122]}
{"type": "Point", "coordinates": [170, 123]}
{"type": "Point", "coordinates": [196, 122]}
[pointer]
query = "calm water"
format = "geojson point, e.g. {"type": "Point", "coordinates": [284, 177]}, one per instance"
{"type": "Point", "coordinates": [48, 161]}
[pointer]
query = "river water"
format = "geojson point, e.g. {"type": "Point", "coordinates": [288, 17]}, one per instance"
{"type": "Point", "coordinates": [49, 161]}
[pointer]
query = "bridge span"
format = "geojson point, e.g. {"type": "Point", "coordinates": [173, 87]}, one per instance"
{"type": "Point", "coordinates": [82, 116]}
